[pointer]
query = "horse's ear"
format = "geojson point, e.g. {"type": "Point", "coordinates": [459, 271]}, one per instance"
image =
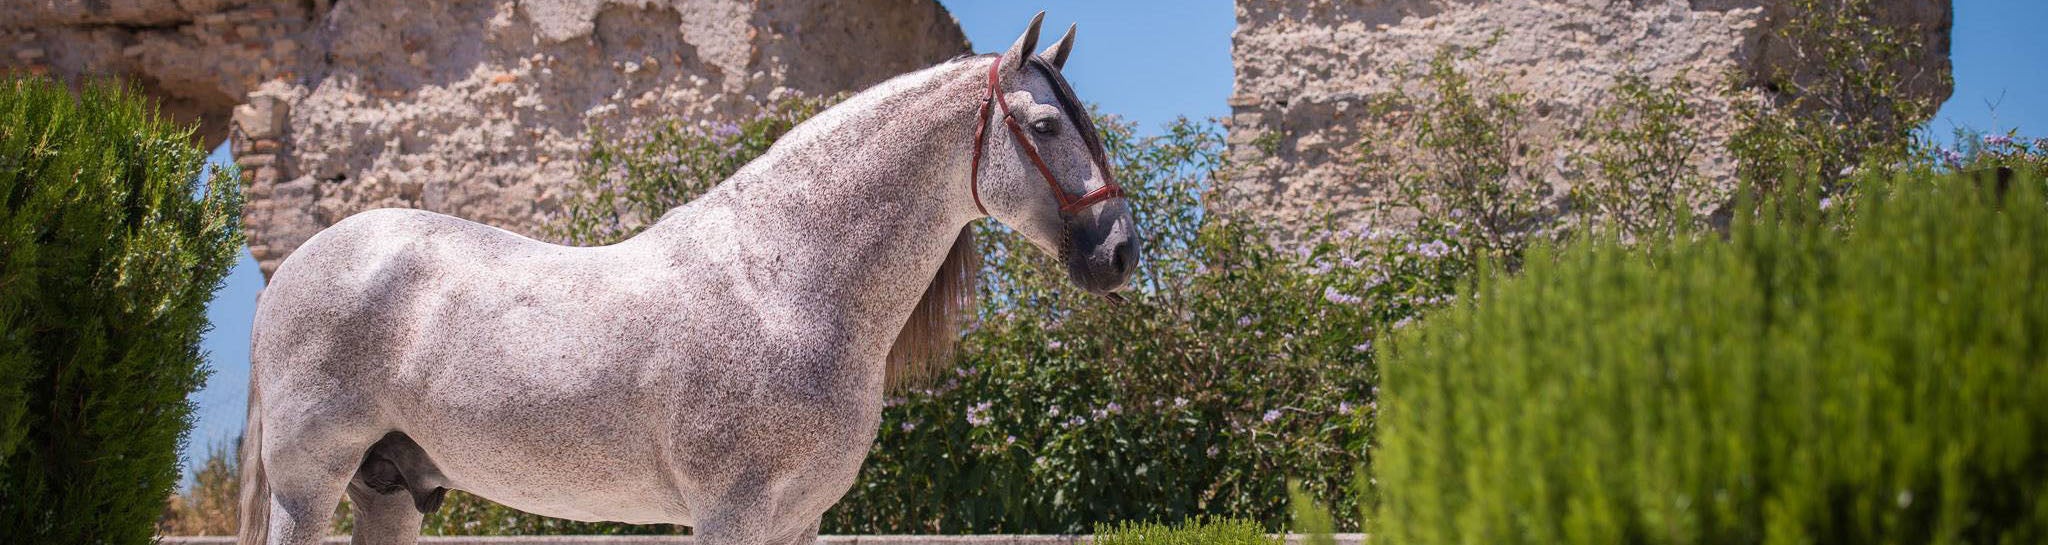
{"type": "Point", "coordinates": [1013, 61]}
{"type": "Point", "coordinates": [1057, 54]}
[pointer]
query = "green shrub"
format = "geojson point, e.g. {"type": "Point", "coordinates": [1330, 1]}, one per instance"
{"type": "Point", "coordinates": [1977, 151]}
{"type": "Point", "coordinates": [629, 180]}
{"type": "Point", "coordinates": [1645, 182]}
{"type": "Point", "coordinates": [1235, 366]}
{"type": "Point", "coordinates": [1456, 160]}
{"type": "Point", "coordinates": [1846, 109]}
{"type": "Point", "coordinates": [110, 248]}
{"type": "Point", "coordinates": [1191, 532]}
{"type": "Point", "coordinates": [1794, 382]}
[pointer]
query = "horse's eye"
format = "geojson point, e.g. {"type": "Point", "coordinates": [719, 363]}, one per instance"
{"type": "Point", "coordinates": [1045, 126]}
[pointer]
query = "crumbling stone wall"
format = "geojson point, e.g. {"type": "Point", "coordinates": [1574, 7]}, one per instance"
{"type": "Point", "coordinates": [1308, 72]}
{"type": "Point", "coordinates": [476, 108]}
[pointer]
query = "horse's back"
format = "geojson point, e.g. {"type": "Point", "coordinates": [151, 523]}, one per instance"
{"type": "Point", "coordinates": [343, 302]}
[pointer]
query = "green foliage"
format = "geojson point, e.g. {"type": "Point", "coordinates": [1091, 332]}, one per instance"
{"type": "Point", "coordinates": [1191, 532]}
{"type": "Point", "coordinates": [110, 248]}
{"type": "Point", "coordinates": [1797, 381]}
{"type": "Point", "coordinates": [1311, 519]}
{"type": "Point", "coordinates": [1846, 110]}
{"type": "Point", "coordinates": [1469, 183]}
{"type": "Point", "coordinates": [628, 181]}
{"type": "Point", "coordinates": [1977, 151]}
{"type": "Point", "coordinates": [1645, 183]}
{"type": "Point", "coordinates": [1234, 366]}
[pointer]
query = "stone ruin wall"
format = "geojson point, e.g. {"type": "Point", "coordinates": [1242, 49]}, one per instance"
{"type": "Point", "coordinates": [1306, 71]}
{"type": "Point", "coordinates": [480, 109]}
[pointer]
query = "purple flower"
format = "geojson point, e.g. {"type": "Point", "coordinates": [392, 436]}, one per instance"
{"type": "Point", "coordinates": [1340, 298]}
{"type": "Point", "coordinates": [1344, 407]}
{"type": "Point", "coordinates": [1244, 321]}
{"type": "Point", "coordinates": [1179, 402]}
{"type": "Point", "coordinates": [1114, 408]}
{"type": "Point", "coordinates": [1997, 140]}
{"type": "Point", "coordinates": [1434, 249]}
{"type": "Point", "coordinates": [1272, 415]}
{"type": "Point", "coordinates": [907, 426]}
{"type": "Point", "coordinates": [1952, 158]}
{"type": "Point", "coordinates": [726, 130]}
{"type": "Point", "coordinates": [978, 414]}
{"type": "Point", "coordinates": [1362, 347]}
{"type": "Point", "coordinates": [1054, 345]}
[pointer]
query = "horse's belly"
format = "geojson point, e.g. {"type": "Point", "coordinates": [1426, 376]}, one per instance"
{"type": "Point", "coordinates": [586, 453]}
{"type": "Point", "coordinates": [567, 496]}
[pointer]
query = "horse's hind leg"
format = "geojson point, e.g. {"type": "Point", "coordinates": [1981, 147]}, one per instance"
{"type": "Point", "coordinates": [306, 482]}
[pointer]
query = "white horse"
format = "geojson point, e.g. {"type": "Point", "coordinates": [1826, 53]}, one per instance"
{"type": "Point", "coordinates": [724, 369]}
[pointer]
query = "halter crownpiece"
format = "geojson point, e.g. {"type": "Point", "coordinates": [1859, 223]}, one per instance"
{"type": "Point", "coordinates": [1069, 205]}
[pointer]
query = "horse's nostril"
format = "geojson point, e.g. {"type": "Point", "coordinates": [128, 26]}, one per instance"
{"type": "Point", "coordinates": [1121, 263]}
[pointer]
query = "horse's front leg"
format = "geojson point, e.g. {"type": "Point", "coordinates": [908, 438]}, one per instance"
{"type": "Point", "coordinates": [806, 537]}
{"type": "Point", "coordinates": [743, 515]}
{"type": "Point", "coordinates": [383, 518]}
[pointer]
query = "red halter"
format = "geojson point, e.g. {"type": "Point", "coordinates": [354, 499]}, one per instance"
{"type": "Point", "coordinates": [1068, 204]}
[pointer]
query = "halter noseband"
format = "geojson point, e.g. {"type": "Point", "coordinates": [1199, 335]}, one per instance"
{"type": "Point", "coordinates": [1068, 204]}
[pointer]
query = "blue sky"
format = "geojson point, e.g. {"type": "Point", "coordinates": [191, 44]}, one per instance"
{"type": "Point", "coordinates": [1152, 61]}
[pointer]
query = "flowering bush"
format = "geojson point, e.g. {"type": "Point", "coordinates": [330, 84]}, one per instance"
{"type": "Point", "coordinates": [1235, 366]}
{"type": "Point", "coordinates": [1977, 151]}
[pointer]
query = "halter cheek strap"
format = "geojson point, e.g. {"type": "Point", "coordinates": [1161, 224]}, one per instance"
{"type": "Point", "coordinates": [1069, 205]}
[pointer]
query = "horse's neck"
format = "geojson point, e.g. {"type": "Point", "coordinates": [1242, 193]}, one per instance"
{"type": "Point", "coordinates": [855, 208]}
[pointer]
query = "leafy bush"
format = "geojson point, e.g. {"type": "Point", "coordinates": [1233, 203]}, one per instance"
{"type": "Point", "coordinates": [629, 180]}
{"type": "Point", "coordinates": [1471, 182]}
{"type": "Point", "coordinates": [1847, 109]}
{"type": "Point", "coordinates": [1976, 152]}
{"type": "Point", "coordinates": [1235, 365]}
{"type": "Point", "coordinates": [110, 248]}
{"type": "Point", "coordinates": [1794, 382]}
{"type": "Point", "coordinates": [1645, 181]}
{"type": "Point", "coordinates": [1191, 532]}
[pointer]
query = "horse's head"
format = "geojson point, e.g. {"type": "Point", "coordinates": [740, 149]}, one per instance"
{"type": "Point", "coordinates": [1044, 173]}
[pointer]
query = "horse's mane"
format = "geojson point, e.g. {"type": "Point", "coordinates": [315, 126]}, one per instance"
{"type": "Point", "coordinates": [926, 345]}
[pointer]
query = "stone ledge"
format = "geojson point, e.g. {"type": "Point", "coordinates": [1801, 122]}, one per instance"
{"type": "Point", "coordinates": [1292, 539]}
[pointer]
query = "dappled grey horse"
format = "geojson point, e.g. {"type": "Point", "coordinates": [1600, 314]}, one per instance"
{"type": "Point", "coordinates": [724, 369]}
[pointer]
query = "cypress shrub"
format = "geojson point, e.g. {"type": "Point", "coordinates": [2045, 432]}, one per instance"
{"type": "Point", "coordinates": [1798, 381]}
{"type": "Point", "coordinates": [110, 249]}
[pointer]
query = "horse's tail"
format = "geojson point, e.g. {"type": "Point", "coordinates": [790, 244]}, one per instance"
{"type": "Point", "coordinates": [255, 488]}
